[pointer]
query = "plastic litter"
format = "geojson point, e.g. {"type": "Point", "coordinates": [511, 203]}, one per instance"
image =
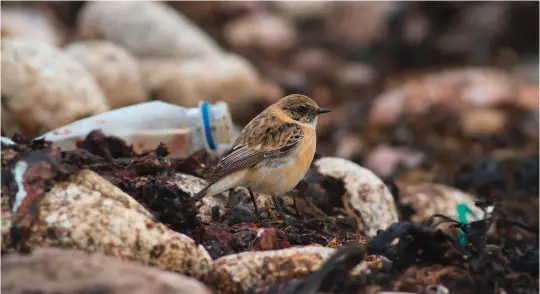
{"type": "Point", "coordinates": [183, 130]}
{"type": "Point", "coordinates": [462, 211]}
{"type": "Point", "coordinates": [6, 141]}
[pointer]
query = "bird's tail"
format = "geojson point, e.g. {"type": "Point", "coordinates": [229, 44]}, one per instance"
{"type": "Point", "coordinates": [203, 192]}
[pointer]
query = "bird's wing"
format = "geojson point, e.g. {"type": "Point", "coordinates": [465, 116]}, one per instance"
{"type": "Point", "coordinates": [257, 144]}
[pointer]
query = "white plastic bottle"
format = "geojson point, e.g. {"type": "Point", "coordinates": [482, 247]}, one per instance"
{"type": "Point", "coordinates": [183, 130]}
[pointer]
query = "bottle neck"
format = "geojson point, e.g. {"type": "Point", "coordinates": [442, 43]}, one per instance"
{"type": "Point", "coordinates": [215, 124]}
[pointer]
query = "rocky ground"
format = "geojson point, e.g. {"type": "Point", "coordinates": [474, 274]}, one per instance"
{"type": "Point", "coordinates": [434, 110]}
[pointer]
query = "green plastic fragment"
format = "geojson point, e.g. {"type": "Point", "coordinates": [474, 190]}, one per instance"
{"type": "Point", "coordinates": [462, 211]}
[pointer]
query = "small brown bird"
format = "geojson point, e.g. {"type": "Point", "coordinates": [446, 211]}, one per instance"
{"type": "Point", "coordinates": [273, 152]}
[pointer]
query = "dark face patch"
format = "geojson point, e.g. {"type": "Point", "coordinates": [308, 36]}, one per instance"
{"type": "Point", "coordinates": [303, 112]}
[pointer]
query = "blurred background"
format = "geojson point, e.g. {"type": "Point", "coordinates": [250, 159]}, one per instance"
{"type": "Point", "coordinates": [423, 91]}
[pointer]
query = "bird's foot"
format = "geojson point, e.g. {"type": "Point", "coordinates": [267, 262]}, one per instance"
{"type": "Point", "coordinates": [285, 218]}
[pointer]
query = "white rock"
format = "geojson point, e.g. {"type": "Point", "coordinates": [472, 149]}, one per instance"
{"type": "Point", "coordinates": [192, 185]}
{"type": "Point", "coordinates": [359, 23]}
{"type": "Point", "coordinates": [230, 78]}
{"type": "Point", "coordinates": [114, 68]}
{"type": "Point", "coordinates": [457, 89]}
{"type": "Point", "coordinates": [366, 196]}
{"type": "Point", "coordinates": [43, 88]}
{"type": "Point", "coordinates": [146, 28]}
{"type": "Point", "coordinates": [63, 271]}
{"type": "Point", "coordinates": [304, 9]}
{"type": "Point", "coordinates": [355, 74]}
{"type": "Point", "coordinates": [428, 199]}
{"type": "Point", "coordinates": [247, 270]}
{"type": "Point", "coordinates": [87, 212]}
{"type": "Point", "coordinates": [261, 30]}
{"type": "Point", "coordinates": [383, 159]}
{"type": "Point", "coordinates": [32, 23]}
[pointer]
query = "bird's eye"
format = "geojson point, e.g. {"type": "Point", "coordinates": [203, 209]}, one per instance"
{"type": "Point", "coordinates": [301, 109]}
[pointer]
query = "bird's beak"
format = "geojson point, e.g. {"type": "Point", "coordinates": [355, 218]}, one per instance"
{"type": "Point", "coordinates": [323, 110]}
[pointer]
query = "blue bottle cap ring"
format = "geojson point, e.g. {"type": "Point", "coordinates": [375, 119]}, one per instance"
{"type": "Point", "coordinates": [205, 111]}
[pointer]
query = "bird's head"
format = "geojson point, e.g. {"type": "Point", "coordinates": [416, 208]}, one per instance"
{"type": "Point", "coordinates": [301, 108]}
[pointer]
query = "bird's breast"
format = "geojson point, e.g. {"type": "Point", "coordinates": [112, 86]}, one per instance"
{"type": "Point", "coordinates": [279, 175]}
{"type": "Point", "coordinates": [305, 151]}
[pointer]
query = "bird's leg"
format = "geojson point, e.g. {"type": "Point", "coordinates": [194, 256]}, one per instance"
{"type": "Point", "coordinates": [279, 209]}
{"type": "Point", "coordinates": [295, 207]}
{"type": "Point", "coordinates": [254, 202]}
